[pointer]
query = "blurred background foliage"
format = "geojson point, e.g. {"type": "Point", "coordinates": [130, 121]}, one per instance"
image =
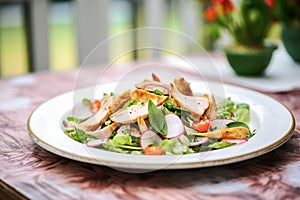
{"type": "Point", "coordinates": [62, 32]}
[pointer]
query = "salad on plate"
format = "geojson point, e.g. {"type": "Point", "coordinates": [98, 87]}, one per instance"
{"type": "Point", "coordinates": [157, 118]}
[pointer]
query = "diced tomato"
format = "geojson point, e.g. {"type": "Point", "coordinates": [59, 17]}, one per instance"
{"type": "Point", "coordinates": [153, 150]}
{"type": "Point", "coordinates": [202, 125]}
{"type": "Point", "coordinates": [95, 106]}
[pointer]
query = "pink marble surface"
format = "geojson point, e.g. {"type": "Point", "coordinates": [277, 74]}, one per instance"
{"type": "Point", "coordinates": [38, 174]}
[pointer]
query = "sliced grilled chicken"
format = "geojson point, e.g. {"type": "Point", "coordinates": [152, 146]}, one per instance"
{"type": "Point", "coordinates": [100, 117]}
{"type": "Point", "coordinates": [155, 77]}
{"type": "Point", "coordinates": [145, 96]}
{"type": "Point", "coordinates": [183, 86]}
{"type": "Point", "coordinates": [123, 128]}
{"type": "Point", "coordinates": [120, 101]}
{"type": "Point", "coordinates": [196, 105]}
{"type": "Point", "coordinates": [212, 111]}
{"type": "Point", "coordinates": [130, 114]}
{"type": "Point", "coordinates": [105, 132]}
{"type": "Point", "coordinates": [151, 86]}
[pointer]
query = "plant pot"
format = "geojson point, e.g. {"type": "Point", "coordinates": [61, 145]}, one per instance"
{"type": "Point", "coordinates": [249, 62]}
{"type": "Point", "coordinates": [291, 40]}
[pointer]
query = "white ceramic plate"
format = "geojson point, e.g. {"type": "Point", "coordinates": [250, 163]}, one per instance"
{"type": "Point", "coordinates": [273, 122]}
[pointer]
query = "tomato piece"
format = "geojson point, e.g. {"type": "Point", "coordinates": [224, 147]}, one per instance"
{"type": "Point", "coordinates": [202, 125]}
{"type": "Point", "coordinates": [95, 106]}
{"type": "Point", "coordinates": [153, 150]}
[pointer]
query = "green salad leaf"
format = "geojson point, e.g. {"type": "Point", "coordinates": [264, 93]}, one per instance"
{"type": "Point", "coordinates": [174, 147]}
{"type": "Point", "coordinates": [80, 135]}
{"type": "Point", "coordinates": [158, 92]}
{"type": "Point", "coordinates": [221, 144]}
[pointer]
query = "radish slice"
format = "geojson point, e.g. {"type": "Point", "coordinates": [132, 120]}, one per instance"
{"type": "Point", "coordinates": [175, 126]}
{"type": "Point", "coordinates": [95, 143]}
{"type": "Point", "coordinates": [81, 111]}
{"type": "Point", "coordinates": [237, 141]}
{"type": "Point", "coordinates": [199, 140]}
{"type": "Point", "coordinates": [149, 137]}
{"type": "Point", "coordinates": [217, 124]}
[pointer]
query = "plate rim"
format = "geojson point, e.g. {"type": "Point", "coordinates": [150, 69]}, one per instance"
{"type": "Point", "coordinates": [183, 165]}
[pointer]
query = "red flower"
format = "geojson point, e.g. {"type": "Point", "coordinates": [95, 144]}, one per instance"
{"type": "Point", "coordinates": [270, 3]}
{"type": "Point", "coordinates": [210, 14]}
{"type": "Point", "coordinates": [228, 6]}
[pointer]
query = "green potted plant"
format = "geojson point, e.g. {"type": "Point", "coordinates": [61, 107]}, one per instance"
{"type": "Point", "coordinates": [288, 13]}
{"type": "Point", "coordinates": [248, 23]}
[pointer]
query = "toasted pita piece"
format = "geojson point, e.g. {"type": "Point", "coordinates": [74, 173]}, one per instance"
{"type": "Point", "coordinates": [228, 133]}
{"type": "Point", "coordinates": [142, 124]}
{"type": "Point", "coordinates": [183, 86]}
{"type": "Point", "coordinates": [196, 105]}
{"type": "Point", "coordinates": [145, 96]}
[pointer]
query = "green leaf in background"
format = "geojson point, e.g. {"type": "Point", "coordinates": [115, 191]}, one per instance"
{"type": "Point", "coordinates": [157, 119]}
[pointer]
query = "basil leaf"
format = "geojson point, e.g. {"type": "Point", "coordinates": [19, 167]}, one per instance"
{"type": "Point", "coordinates": [157, 119]}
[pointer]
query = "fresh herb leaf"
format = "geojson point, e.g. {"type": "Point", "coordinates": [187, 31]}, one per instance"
{"type": "Point", "coordinates": [157, 119]}
{"type": "Point", "coordinates": [82, 136]}
{"type": "Point", "coordinates": [173, 108]}
{"type": "Point", "coordinates": [158, 92]}
{"type": "Point", "coordinates": [250, 134]}
{"type": "Point", "coordinates": [86, 102]}
{"type": "Point", "coordinates": [130, 102]}
{"type": "Point", "coordinates": [225, 109]}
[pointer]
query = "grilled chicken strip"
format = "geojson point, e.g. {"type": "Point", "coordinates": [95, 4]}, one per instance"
{"type": "Point", "coordinates": [151, 86]}
{"type": "Point", "coordinates": [196, 105]}
{"type": "Point", "coordinates": [120, 101]}
{"type": "Point", "coordinates": [130, 114]}
{"type": "Point", "coordinates": [100, 117]}
{"type": "Point", "coordinates": [145, 96]}
{"type": "Point", "coordinates": [212, 111]}
{"type": "Point", "coordinates": [183, 86]}
{"type": "Point", "coordinates": [105, 132]}
{"type": "Point", "coordinates": [155, 77]}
